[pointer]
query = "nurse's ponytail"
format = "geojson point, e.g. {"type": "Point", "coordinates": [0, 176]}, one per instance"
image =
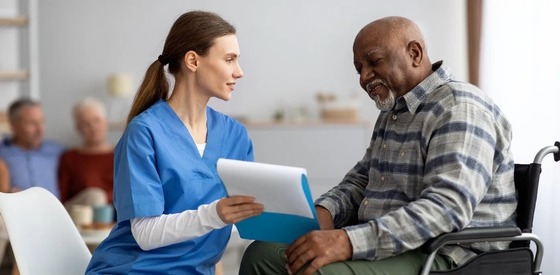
{"type": "Point", "coordinates": [192, 31]}
{"type": "Point", "coordinates": [154, 87]}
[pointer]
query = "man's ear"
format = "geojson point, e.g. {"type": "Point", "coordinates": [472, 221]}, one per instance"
{"type": "Point", "coordinates": [415, 52]}
{"type": "Point", "coordinates": [191, 60]}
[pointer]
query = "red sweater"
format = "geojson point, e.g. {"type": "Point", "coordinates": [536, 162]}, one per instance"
{"type": "Point", "coordinates": [78, 171]}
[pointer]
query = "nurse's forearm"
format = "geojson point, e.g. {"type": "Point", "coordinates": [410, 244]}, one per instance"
{"type": "Point", "coordinates": [159, 231]}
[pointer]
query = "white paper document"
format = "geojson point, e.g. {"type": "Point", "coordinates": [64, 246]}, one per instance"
{"type": "Point", "coordinates": [277, 187]}
{"type": "Point", "coordinates": [288, 213]}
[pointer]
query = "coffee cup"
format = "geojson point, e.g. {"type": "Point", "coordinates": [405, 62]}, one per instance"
{"type": "Point", "coordinates": [82, 215]}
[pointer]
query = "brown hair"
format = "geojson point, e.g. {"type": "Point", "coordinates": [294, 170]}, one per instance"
{"type": "Point", "coordinates": [192, 31]}
{"type": "Point", "coordinates": [16, 106]}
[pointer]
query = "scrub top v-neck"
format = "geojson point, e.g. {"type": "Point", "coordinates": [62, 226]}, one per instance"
{"type": "Point", "coordinates": [159, 170]}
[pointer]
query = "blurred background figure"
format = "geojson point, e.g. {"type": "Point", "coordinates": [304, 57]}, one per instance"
{"type": "Point", "coordinates": [31, 159]}
{"type": "Point", "coordinates": [4, 177]}
{"type": "Point", "coordinates": [4, 188]}
{"type": "Point", "coordinates": [85, 173]}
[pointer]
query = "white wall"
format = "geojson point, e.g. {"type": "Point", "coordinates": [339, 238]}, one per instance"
{"type": "Point", "coordinates": [290, 49]}
{"type": "Point", "coordinates": [521, 71]}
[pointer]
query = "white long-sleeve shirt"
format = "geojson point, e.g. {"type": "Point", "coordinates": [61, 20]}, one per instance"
{"type": "Point", "coordinates": [159, 231]}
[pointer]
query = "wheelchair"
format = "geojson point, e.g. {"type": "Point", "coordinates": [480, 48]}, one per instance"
{"type": "Point", "coordinates": [519, 258]}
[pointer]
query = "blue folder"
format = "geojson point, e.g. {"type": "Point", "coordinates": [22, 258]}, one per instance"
{"type": "Point", "coordinates": [280, 227]}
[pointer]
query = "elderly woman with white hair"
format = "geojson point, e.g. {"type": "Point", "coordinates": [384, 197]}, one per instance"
{"type": "Point", "coordinates": [86, 172]}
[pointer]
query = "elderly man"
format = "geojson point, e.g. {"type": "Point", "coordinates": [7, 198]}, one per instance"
{"type": "Point", "coordinates": [32, 160]}
{"type": "Point", "coordinates": [439, 161]}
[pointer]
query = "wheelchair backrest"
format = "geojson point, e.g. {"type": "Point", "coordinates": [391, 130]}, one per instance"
{"type": "Point", "coordinates": [527, 186]}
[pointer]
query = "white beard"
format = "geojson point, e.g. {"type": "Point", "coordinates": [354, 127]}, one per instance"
{"type": "Point", "coordinates": [382, 104]}
{"type": "Point", "coordinates": [385, 104]}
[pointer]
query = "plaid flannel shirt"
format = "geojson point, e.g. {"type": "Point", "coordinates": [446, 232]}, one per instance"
{"type": "Point", "coordinates": [438, 162]}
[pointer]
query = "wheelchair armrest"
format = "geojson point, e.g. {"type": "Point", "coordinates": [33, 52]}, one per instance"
{"type": "Point", "coordinates": [469, 234]}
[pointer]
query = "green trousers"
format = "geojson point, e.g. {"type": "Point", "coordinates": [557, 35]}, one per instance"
{"type": "Point", "coordinates": [262, 258]}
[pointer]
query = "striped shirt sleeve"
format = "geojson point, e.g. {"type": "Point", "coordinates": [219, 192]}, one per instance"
{"type": "Point", "coordinates": [438, 162]}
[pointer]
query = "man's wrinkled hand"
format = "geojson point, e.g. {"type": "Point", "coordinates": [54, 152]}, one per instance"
{"type": "Point", "coordinates": [318, 248]}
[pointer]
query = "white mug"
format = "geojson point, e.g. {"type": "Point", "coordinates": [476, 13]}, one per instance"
{"type": "Point", "coordinates": [82, 215]}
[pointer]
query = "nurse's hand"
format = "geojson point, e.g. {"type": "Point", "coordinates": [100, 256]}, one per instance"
{"type": "Point", "coordinates": [237, 208]}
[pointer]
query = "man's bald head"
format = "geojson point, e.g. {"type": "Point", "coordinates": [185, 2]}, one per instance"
{"type": "Point", "coordinates": [392, 51]}
{"type": "Point", "coordinates": [395, 30]}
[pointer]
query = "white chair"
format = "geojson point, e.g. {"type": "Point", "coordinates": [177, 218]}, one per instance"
{"type": "Point", "coordinates": [43, 237]}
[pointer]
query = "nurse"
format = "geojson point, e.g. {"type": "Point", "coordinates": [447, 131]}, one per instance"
{"type": "Point", "coordinates": [173, 216]}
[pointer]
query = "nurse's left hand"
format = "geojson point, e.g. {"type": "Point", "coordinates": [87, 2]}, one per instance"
{"type": "Point", "coordinates": [237, 208]}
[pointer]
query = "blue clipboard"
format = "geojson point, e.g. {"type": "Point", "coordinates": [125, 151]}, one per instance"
{"type": "Point", "coordinates": [278, 227]}
{"type": "Point", "coordinates": [282, 221]}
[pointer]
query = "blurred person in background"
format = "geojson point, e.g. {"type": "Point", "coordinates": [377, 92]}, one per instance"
{"type": "Point", "coordinates": [31, 159]}
{"type": "Point", "coordinates": [85, 174]}
{"type": "Point", "coordinates": [4, 177]}
{"type": "Point", "coordinates": [4, 188]}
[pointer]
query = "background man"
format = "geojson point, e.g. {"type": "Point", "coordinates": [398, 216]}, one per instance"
{"type": "Point", "coordinates": [32, 160]}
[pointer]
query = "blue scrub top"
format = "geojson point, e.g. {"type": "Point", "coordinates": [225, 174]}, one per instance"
{"type": "Point", "coordinates": [158, 170]}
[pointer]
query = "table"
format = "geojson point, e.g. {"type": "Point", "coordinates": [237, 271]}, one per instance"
{"type": "Point", "coordinates": [94, 237]}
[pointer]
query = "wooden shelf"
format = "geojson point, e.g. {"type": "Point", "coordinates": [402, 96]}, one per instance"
{"type": "Point", "coordinates": [14, 75]}
{"type": "Point", "coordinates": [19, 26]}
{"type": "Point", "coordinates": [13, 21]}
{"type": "Point", "coordinates": [302, 123]}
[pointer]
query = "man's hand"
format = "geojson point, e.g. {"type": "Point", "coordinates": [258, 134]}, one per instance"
{"type": "Point", "coordinates": [238, 208]}
{"type": "Point", "coordinates": [319, 248]}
